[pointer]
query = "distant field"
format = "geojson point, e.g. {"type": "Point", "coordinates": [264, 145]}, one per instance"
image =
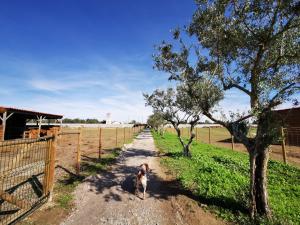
{"type": "Point", "coordinates": [221, 137]}
{"type": "Point", "coordinates": [111, 138]}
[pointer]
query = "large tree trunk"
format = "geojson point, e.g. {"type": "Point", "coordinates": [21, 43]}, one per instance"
{"type": "Point", "coordinates": [261, 194]}
{"type": "Point", "coordinates": [186, 147]}
{"type": "Point", "coordinates": [186, 150]}
{"type": "Point", "coordinates": [258, 183]}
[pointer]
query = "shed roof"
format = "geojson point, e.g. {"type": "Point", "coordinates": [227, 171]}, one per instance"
{"type": "Point", "coordinates": [29, 113]}
{"type": "Point", "coordinates": [295, 109]}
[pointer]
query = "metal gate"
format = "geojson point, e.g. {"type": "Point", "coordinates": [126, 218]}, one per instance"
{"type": "Point", "coordinates": [26, 176]}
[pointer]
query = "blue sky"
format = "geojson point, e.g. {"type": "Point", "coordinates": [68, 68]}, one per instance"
{"type": "Point", "coordinates": [85, 58]}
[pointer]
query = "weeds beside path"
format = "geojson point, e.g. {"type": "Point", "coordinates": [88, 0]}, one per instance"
{"type": "Point", "coordinates": [108, 197]}
{"type": "Point", "coordinates": [219, 177]}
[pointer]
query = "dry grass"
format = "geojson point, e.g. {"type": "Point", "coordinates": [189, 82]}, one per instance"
{"type": "Point", "coordinates": [220, 137]}
{"type": "Point", "coordinates": [90, 143]}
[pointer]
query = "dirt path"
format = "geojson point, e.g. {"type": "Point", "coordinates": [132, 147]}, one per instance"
{"type": "Point", "coordinates": [108, 198]}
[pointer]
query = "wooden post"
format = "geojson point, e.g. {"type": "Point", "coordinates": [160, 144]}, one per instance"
{"type": "Point", "coordinates": [283, 145]}
{"type": "Point", "coordinates": [49, 172]}
{"type": "Point", "coordinates": [100, 144]}
{"type": "Point", "coordinates": [232, 142]}
{"type": "Point", "coordinates": [124, 135]}
{"type": "Point", "coordinates": [78, 158]}
{"type": "Point", "coordinates": [209, 137]}
{"type": "Point", "coordinates": [4, 118]}
{"type": "Point", "coordinates": [196, 133]}
{"type": "Point", "coordinates": [47, 168]}
{"type": "Point", "coordinates": [116, 137]}
{"type": "Point", "coordinates": [40, 125]}
{"type": "Point", "coordinates": [52, 165]}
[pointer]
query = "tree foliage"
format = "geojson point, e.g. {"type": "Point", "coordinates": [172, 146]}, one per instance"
{"type": "Point", "coordinates": [250, 46]}
{"type": "Point", "coordinates": [180, 107]}
{"type": "Point", "coordinates": [156, 120]}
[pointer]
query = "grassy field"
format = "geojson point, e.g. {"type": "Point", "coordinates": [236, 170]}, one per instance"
{"type": "Point", "coordinates": [219, 178]}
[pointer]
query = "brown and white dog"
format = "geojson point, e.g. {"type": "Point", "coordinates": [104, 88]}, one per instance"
{"type": "Point", "coordinates": [141, 178]}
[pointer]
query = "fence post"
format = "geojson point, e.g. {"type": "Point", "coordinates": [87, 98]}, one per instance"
{"type": "Point", "coordinates": [232, 142]}
{"type": "Point", "coordinates": [50, 171]}
{"type": "Point", "coordinates": [78, 159]}
{"type": "Point", "coordinates": [47, 168]}
{"type": "Point", "coordinates": [196, 133]}
{"type": "Point", "coordinates": [116, 137]}
{"type": "Point", "coordinates": [283, 145]}
{"type": "Point", "coordinates": [124, 135]}
{"type": "Point", "coordinates": [100, 144]}
{"type": "Point", "coordinates": [209, 137]}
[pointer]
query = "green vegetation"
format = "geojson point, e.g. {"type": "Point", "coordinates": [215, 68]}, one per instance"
{"type": "Point", "coordinates": [219, 178]}
{"type": "Point", "coordinates": [63, 194]}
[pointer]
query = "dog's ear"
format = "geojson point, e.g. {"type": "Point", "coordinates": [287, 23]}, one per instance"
{"type": "Point", "coordinates": [147, 167]}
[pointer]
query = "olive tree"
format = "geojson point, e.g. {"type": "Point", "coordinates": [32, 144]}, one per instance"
{"type": "Point", "coordinates": [177, 107]}
{"type": "Point", "coordinates": [250, 46]}
{"type": "Point", "coordinates": [156, 121]}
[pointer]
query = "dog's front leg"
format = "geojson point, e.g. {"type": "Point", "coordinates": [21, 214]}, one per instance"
{"type": "Point", "coordinates": [136, 185]}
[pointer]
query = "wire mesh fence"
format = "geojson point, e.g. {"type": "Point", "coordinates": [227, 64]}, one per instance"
{"type": "Point", "coordinates": [27, 165]}
{"type": "Point", "coordinates": [25, 176]}
{"type": "Point", "coordinates": [219, 136]}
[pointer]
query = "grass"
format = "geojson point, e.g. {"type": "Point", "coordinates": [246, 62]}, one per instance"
{"type": "Point", "coordinates": [219, 177]}
{"type": "Point", "coordinates": [63, 194]}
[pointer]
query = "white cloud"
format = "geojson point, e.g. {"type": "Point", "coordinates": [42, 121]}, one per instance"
{"type": "Point", "coordinates": [62, 85]}
{"type": "Point", "coordinates": [92, 90]}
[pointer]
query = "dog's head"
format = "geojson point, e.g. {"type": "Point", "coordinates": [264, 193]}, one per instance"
{"type": "Point", "coordinates": [145, 167]}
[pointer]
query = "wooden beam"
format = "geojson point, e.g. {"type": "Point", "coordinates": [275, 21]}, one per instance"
{"type": "Point", "coordinates": [78, 158]}
{"type": "Point", "coordinates": [22, 204]}
{"type": "Point", "coordinates": [283, 145]}
{"type": "Point", "coordinates": [40, 118]}
{"type": "Point", "coordinates": [100, 143]}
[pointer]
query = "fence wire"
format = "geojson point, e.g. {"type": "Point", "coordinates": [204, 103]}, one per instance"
{"type": "Point", "coordinates": [219, 136]}
{"type": "Point", "coordinates": [22, 173]}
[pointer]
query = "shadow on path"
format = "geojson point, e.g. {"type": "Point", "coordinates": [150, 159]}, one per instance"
{"type": "Point", "coordinates": [122, 177]}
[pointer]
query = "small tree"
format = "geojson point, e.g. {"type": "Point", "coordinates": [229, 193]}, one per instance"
{"type": "Point", "coordinates": [156, 121]}
{"type": "Point", "coordinates": [177, 107]}
{"type": "Point", "coordinates": [251, 46]}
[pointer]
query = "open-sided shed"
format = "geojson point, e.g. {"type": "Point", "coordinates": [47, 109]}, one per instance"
{"type": "Point", "coordinates": [13, 121]}
{"type": "Point", "coordinates": [290, 121]}
{"type": "Point", "coordinates": [289, 117]}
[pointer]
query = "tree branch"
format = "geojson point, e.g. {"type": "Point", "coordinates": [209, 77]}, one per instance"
{"type": "Point", "coordinates": [275, 101]}
{"type": "Point", "coordinates": [231, 84]}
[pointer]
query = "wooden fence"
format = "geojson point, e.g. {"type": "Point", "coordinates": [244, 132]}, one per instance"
{"type": "Point", "coordinates": [75, 143]}
{"type": "Point", "coordinates": [26, 175]}
{"type": "Point", "coordinates": [287, 149]}
{"type": "Point", "coordinates": [27, 166]}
